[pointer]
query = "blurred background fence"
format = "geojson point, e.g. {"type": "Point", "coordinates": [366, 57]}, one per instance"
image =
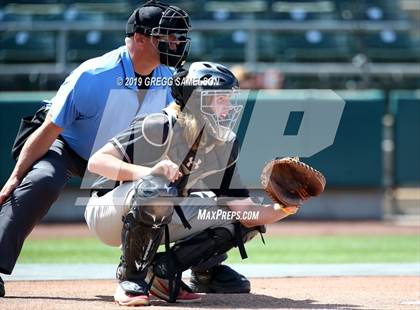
{"type": "Point", "coordinates": [340, 44]}
{"type": "Point", "coordinates": [367, 51]}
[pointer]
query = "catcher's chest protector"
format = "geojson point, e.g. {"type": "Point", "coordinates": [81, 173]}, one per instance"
{"type": "Point", "coordinates": [196, 162]}
{"type": "Point", "coordinates": [196, 165]}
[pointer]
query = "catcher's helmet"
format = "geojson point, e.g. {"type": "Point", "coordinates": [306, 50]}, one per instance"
{"type": "Point", "coordinates": [158, 19]}
{"type": "Point", "coordinates": [198, 90]}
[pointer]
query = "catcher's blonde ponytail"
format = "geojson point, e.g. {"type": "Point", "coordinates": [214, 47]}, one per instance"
{"type": "Point", "coordinates": [190, 126]}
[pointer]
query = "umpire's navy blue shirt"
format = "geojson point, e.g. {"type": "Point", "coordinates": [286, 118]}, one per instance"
{"type": "Point", "coordinates": [100, 99]}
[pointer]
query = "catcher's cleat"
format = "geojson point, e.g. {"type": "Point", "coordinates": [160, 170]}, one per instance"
{"type": "Point", "coordinates": [2, 290]}
{"type": "Point", "coordinates": [160, 289]}
{"type": "Point", "coordinates": [132, 294]}
{"type": "Point", "coordinates": [219, 279]}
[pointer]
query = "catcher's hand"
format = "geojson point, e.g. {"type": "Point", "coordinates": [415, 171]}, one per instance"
{"type": "Point", "coordinates": [290, 182]}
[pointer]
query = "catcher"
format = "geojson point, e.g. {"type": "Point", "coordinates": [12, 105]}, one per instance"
{"type": "Point", "coordinates": [189, 147]}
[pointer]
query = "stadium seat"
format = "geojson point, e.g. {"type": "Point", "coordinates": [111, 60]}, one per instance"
{"type": "Point", "coordinates": [312, 45]}
{"type": "Point", "coordinates": [295, 10]}
{"type": "Point", "coordinates": [197, 47]}
{"type": "Point", "coordinates": [390, 46]}
{"type": "Point", "coordinates": [83, 45]}
{"type": "Point", "coordinates": [224, 46]}
{"type": "Point", "coordinates": [188, 5]}
{"type": "Point", "coordinates": [25, 46]}
{"type": "Point", "coordinates": [193, 7]}
{"type": "Point", "coordinates": [98, 11]}
{"type": "Point", "coordinates": [234, 10]}
{"type": "Point", "coordinates": [373, 10]}
{"type": "Point", "coordinates": [27, 12]}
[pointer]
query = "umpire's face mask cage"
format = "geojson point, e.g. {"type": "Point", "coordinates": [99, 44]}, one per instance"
{"type": "Point", "coordinates": [173, 42]}
{"type": "Point", "coordinates": [220, 110]}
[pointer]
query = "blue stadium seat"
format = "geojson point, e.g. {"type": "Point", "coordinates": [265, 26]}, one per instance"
{"type": "Point", "coordinates": [193, 7]}
{"type": "Point", "coordinates": [83, 45]}
{"type": "Point", "coordinates": [301, 10]}
{"type": "Point", "coordinates": [390, 46]}
{"type": "Point", "coordinates": [98, 11]}
{"type": "Point", "coordinates": [312, 45]}
{"type": "Point", "coordinates": [188, 5]}
{"type": "Point", "coordinates": [24, 47]}
{"type": "Point", "coordinates": [197, 47]}
{"type": "Point", "coordinates": [28, 12]}
{"type": "Point", "coordinates": [222, 10]}
{"type": "Point", "coordinates": [224, 46]}
{"type": "Point", "coordinates": [370, 10]}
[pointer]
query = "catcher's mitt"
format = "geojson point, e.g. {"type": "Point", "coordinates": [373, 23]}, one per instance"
{"type": "Point", "coordinates": [290, 182]}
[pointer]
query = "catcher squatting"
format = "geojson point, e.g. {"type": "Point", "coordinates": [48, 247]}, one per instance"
{"type": "Point", "coordinates": [172, 165]}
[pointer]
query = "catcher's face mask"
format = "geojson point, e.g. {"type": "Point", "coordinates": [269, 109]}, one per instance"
{"type": "Point", "coordinates": [173, 42]}
{"type": "Point", "coordinates": [220, 110]}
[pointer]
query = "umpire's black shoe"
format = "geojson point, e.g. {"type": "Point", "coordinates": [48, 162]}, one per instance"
{"type": "Point", "coordinates": [219, 279]}
{"type": "Point", "coordinates": [2, 290]}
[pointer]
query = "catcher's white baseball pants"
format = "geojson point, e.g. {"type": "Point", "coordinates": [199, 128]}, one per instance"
{"type": "Point", "coordinates": [104, 215]}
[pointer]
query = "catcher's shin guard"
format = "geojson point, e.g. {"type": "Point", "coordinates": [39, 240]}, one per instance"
{"type": "Point", "coordinates": [196, 250]}
{"type": "Point", "coordinates": [142, 230]}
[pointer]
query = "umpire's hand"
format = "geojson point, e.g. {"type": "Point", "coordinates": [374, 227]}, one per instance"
{"type": "Point", "coordinates": [8, 188]}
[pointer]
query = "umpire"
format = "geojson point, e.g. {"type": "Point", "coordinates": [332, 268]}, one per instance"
{"type": "Point", "coordinates": [156, 40]}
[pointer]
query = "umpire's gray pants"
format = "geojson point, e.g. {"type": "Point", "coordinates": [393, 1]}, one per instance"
{"type": "Point", "coordinates": [32, 199]}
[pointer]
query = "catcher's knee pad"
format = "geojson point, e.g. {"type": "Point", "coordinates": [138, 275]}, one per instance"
{"type": "Point", "coordinates": [149, 204]}
{"type": "Point", "coordinates": [152, 186]}
{"type": "Point", "coordinates": [143, 229]}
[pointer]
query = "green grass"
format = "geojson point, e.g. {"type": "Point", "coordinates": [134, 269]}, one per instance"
{"type": "Point", "coordinates": [334, 249]}
{"type": "Point", "coordinates": [318, 249]}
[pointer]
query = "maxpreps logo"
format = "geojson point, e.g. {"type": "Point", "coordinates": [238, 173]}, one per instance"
{"type": "Point", "coordinates": [217, 215]}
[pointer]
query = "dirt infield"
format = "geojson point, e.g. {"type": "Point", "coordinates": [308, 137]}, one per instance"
{"type": "Point", "coordinates": [289, 228]}
{"type": "Point", "coordinates": [274, 293]}
{"type": "Point", "coordinates": [286, 293]}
